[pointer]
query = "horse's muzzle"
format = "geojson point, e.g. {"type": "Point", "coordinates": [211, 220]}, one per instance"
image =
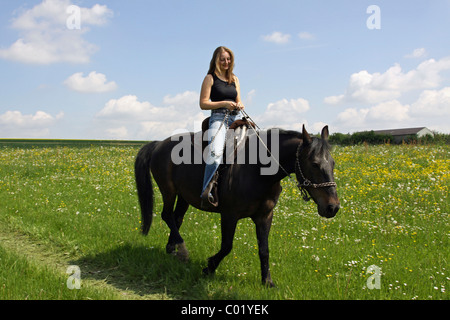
{"type": "Point", "coordinates": [329, 211]}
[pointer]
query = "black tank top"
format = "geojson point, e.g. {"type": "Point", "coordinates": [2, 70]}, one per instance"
{"type": "Point", "coordinates": [222, 90]}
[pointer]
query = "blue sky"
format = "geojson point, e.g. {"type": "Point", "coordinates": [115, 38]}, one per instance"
{"type": "Point", "coordinates": [133, 69]}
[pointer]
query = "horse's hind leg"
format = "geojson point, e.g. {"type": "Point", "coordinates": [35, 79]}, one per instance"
{"type": "Point", "coordinates": [180, 210]}
{"type": "Point", "coordinates": [173, 220]}
{"type": "Point", "coordinates": [168, 216]}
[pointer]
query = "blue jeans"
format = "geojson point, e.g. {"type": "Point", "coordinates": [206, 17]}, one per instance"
{"type": "Point", "coordinates": [216, 148]}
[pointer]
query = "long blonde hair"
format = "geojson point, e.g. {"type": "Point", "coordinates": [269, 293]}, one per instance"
{"type": "Point", "coordinates": [215, 63]}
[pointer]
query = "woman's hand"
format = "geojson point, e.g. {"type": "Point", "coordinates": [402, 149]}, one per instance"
{"type": "Point", "coordinates": [230, 105]}
{"type": "Point", "coordinates": [240, 106]}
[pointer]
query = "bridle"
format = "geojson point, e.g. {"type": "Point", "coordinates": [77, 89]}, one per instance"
{"type": "Point", "coordinates": [306, 182]}
{"type": "Point", "coordinates": [301, 185]}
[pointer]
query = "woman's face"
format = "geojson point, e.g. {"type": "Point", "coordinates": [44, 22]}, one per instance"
{"type": "Point", "coordinates": [224, 61]}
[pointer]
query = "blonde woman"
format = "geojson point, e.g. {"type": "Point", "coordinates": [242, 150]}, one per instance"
{"type": "Point", "coordinates": [221, 94]}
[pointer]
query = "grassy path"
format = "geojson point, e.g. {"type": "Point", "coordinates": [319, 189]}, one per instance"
{"type": "Point", "coordinates": [30, 270]}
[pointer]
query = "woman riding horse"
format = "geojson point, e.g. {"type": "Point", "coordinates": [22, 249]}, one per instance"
{"type": "Point", "coordinates": [245, 193]}
{"type": "Point", "coordinates": [221, 94]}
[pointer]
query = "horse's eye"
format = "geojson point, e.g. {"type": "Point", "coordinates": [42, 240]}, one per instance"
{"type": "Point", "coordinates": [316, 165]}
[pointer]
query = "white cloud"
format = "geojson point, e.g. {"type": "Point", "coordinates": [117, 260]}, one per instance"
{"type": "Point", "coordinates": [433, 103]}
{"type": "Point", "coordinates": [277, 37]}
{"type": "Point", "coordinates": [417, 53]}
{"type": "Point", "coordinates": [249, 98]}
{"type": "Point", "coordinates": [432, 109]}
{"type": "Point", "coordinates": [386, 114]}
{"type": "Point", "coordinates": [364, 87]}
{"type": "Point", "coordinates": [97, 15]}
{"type": "Point", "coordinates": [129, 118]}
{"type": "Point", "coordinates": [306, 35]}
{"type": "Point", "coordinates": [117, 133]}
{"type": "Point", "coordinates": [93, 83]}
{"type": "Point", "coordinates": [316, 127]}
{"type": "Point", "coordinates": [182, 99]}
{"type": "Point", "coordinates": [380, 98]}
{"type": "Point", "coordinates": [128, 107]}
{"type": "Point", "coordinates": [14, 124]}
{"type": "Point", "coordinates": [368, 88]}
{"type": "Point", "coordinates": [389, 111]}
{"type": "Point", "coordinates": [45, 37]}
{"type": "Point", "coordinates": [158, 130]}
{"type": "Point", "coordinates": [352, 118]}
{"type": "Point", "coordinates": [284, 113]}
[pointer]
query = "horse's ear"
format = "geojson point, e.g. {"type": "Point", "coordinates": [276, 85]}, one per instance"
{"type": "Point", "coordinates": [325, 133]}
{"type": "Point", "coordinates": [306, 137]}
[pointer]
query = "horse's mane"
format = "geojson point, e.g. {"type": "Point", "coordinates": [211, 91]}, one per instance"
{"type": "Point", "coordinates": [318, 144]}
{"type": "Point", "coordinates": [293, 133]}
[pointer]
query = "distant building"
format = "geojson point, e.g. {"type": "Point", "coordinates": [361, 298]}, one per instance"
{"type": "Point", "coordinates": [403, 134]}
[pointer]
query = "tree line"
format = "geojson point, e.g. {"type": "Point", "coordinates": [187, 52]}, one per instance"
{"type": "Point", "coordinates": [370, 137]}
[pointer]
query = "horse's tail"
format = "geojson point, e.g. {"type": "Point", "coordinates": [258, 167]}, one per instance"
{"type": "Point", "coordinates": [144, 184]}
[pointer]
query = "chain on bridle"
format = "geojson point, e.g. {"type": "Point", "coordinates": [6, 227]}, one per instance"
{"type": "Point", "coordinates": [306, 182]}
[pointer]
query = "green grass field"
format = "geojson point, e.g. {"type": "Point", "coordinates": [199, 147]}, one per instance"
{"type": "Point", "coordinates": [77, 205]}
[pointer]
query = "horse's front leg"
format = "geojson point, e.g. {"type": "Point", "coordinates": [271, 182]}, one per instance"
{"type": "Point", "coordinates": [228, 227]}
{"type": "Point", "coordinates": [263, 224]}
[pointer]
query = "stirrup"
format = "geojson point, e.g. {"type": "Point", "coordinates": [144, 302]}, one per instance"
{"type": "Point", "coordinates": [208, 201]}
{"type": "Point", "coordinates": [210, 195]}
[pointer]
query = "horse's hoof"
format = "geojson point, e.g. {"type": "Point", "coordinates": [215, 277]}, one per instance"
{"type": "Point", "coordinates": [269, 284]}
{"type": "Point", "coordinates": [207, 272]}
{"type": "Point", "coordinates": [182, 252]}
{"type": "Point", "coordinates": [170, 248]}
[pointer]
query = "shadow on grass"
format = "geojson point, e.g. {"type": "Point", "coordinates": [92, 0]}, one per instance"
{"type": "Point", "coordinates": [147, 271]}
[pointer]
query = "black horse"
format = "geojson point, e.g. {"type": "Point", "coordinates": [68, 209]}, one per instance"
{"type": "Point", "coordinates": [243, 190]}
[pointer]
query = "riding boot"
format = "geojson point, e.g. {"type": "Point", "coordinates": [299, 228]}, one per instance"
{"type": "Point", "coordinates": [210, 195]}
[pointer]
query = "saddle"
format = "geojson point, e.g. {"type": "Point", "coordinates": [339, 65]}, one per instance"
{"type": "Point", "coordinates": [238, 130]}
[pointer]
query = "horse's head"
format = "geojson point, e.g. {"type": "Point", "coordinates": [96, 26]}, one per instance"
{"type": "Point", "coordinates": [314, 170]}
